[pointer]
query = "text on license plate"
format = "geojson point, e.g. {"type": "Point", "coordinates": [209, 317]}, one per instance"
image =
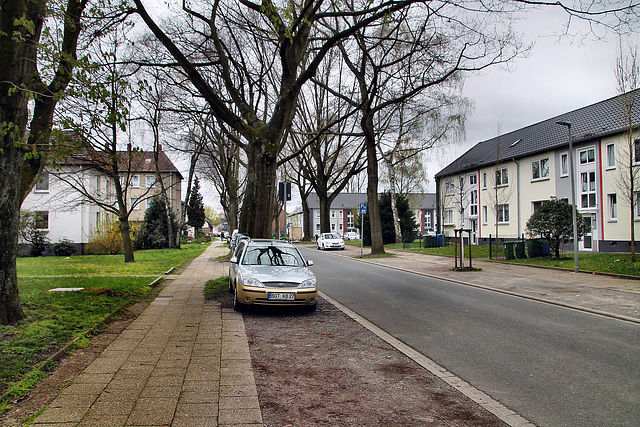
{"type": "Point", "coordinates": [281, 296]}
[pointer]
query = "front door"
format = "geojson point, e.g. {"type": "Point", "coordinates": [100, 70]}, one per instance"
{"type": "Point", "coordinates": [589, 241]}
{"type": "Point", "coordinates": [474, 231]}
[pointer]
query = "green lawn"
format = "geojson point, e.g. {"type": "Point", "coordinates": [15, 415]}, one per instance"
{"type": "Point", "coordinates": [53, 319]}
{"type": "Point", "coordinates": [156, 261]}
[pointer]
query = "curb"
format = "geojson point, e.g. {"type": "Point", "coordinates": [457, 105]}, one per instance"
{"type": "Point", "coordinates": [487, 402]}
{"type": "Point", "coordinates": [511, 293]}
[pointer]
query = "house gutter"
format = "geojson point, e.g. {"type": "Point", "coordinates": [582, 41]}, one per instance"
{"type": "Point", "coordinates": [518, 195]}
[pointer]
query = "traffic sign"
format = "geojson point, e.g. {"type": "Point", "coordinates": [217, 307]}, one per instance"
{"type": "Point", "coordinates": [363, 208]}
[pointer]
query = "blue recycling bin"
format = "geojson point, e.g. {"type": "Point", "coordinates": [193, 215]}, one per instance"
{"type": "Point", "coordinates": [440, 238]}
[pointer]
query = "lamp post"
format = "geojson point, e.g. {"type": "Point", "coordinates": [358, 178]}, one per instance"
{"type": "Point", "coordinates": [573, 195]}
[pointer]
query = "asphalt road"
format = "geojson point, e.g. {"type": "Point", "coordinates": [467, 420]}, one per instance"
{"type": "Point", "coordinates": [552, 365]}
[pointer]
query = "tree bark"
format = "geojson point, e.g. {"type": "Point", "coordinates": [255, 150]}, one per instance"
{"type": "Point", "coordinates": [377, 245]}
{"type": "Point", "coordinates": [260, 195]}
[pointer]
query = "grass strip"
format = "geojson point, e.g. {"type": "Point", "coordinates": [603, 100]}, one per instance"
{"type": "Point", "coordinates": [216, 287]}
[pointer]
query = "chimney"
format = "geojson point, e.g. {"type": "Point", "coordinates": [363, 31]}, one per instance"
{"type": "Point", "coordinates": [159, 148]}
{"type": "Point", "coordinates": [129, 148]}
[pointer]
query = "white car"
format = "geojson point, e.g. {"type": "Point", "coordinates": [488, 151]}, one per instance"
{"type": "Point", "coordinates": [351, 235]}
{"type": "Point", "coordinates": [330, 241]}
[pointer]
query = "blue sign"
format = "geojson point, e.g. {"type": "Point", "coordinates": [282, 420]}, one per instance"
{"type": "Point", "coordinates": [363, 208]}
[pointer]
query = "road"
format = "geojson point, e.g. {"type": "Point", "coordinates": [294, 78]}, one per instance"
{"type": "Point", "coordinates": [552, 365]}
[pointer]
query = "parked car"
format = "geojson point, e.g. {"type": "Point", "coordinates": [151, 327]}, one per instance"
{"type": "Point", "coordinates": [271, 273]}
{"type": "Point", "coordinates": [351, 235]}
{"type": "Point", "coordinates": [330, 241]}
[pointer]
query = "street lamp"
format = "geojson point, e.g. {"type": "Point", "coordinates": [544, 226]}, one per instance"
{"type": "Point", "coordinates": [573, 195]}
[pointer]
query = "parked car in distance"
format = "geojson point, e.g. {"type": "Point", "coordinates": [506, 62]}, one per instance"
{"type": "Point", "coordinates": [266, 272]}
{"type": "Point", "coordinates": [330, 241]}
{"type": "Point", "coordinates": [351, 235]}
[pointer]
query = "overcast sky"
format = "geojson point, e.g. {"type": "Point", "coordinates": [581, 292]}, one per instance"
{"type": "Point", "coordinates": [558, 76]}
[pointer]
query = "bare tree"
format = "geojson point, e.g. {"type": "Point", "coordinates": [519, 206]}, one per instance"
{"type": "Point", "coordinates": [627, 72]}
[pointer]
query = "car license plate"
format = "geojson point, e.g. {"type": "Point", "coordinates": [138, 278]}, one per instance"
{"type": "Point", "coordinates": [281, 296]}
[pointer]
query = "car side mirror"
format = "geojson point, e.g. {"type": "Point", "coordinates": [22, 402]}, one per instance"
{"type": "Point", "coordinates": [309, 263]}
{"type": "Point", "coordinates": [234, 260]}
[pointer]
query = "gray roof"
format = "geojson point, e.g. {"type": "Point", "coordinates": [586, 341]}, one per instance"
{"type": "Point", "coordinates": [595, 121]}
{"type": "Point", "coordinates": [352, 200]}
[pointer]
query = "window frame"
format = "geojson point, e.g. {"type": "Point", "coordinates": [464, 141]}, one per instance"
{"type": "Point", "coordinates": [485, 215]}
{"type": "Point", "coordinates": [42, 182]}
{"type": "Point", "coordinates": [41, 218]}
{"type": "Point", "coordinates": [134, 182]}
{"type": "Point", "coordinates": [564, 165]}
{"type": "Point", "coordinates": [610, 156]}
{"type": "Point", "coordinates": [146, 181]}
{"type": "Point", "coordinates": [540, 169]}
{"type": "Point", "coordinates": [501, 172]}
{"type": "Point", "coordinates": [447, 218]}
{"type": "Point", "coordinates": [612, 207]}
{"type": "Point", "coordinates": [502, 209]}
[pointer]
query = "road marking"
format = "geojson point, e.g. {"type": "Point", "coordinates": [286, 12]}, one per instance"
{"type": "Point", "coordinates": [483, 399]}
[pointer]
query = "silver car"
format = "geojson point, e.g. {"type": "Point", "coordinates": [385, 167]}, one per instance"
{"type": "Point", "coordinates": [271, 273]}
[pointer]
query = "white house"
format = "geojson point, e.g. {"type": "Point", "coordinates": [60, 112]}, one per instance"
{"type": "Point", "coordinates": [504, 179]}
{"type": "Point", "coordinates": [65, 213]}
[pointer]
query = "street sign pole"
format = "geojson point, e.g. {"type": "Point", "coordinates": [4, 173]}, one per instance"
{"type": "Point", "coordinates": [363, 211]}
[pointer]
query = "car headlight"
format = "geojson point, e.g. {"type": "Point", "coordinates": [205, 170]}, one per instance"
{"type": "Point", "coordinates": [309, 283]}
{"type": "Point", "coordinates": [250, 281]}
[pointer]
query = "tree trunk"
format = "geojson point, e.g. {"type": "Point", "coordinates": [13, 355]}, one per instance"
{"type": "Point", "coordinates": [373, 208]}
{"type": "Point", "coordinates": [306, 221]}
{"type": "Point", "coordinates": [127, 243]}
{"type": "Point", "coordinates": [259, 200]}
{"type": "Point", "coordinates": [11, 164]}
{"type": "Point", "coordinates": [394, 204]}
{"type": "Point", "coordinates": [325, 215]}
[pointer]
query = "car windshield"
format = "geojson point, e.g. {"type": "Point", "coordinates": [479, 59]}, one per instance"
{"type": "Point", "coordinates": [272, 255]}
{"type": "Point", "coordinates": [331, 236]}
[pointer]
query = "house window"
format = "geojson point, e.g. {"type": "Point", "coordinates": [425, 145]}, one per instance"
{"type": "Point", "coordinates": [473, 179]}
{"type": "Point", "coordinates": [564, 165]}
{"type": "Point", "coordinates": [151, 180]}
{"type": "Point", "coordinates": [135, 205]}
{"type": "Point", "coordinates": [502, 177]}
{"type": "Point", "coordinates": [317, 213]}
{"type": "Point", "coordinates": [636, 151]}
{"type": "Point", "coordinates": [135, 181]}
{"type": "Point", "coordinates": [448, 217]}
{"type": "Point", "coordinates": [449, 188]}
{"type": "Point", "coordinates": [587, 156]}
{"type": "Point", "coordinates": [333, 227]}
{"type": "Point", "coordinates": [317, 228]}
{"type": "Point", "coordinates": [540, 169]}
{"type": "Point", "coordinates": [637, 207]}
{"type": "Point", "coordinates": [484, 180]}
{"type": "Point", "coordinates": [611, 156]}
{"type": "Point", "coordinates": [42, 186]}
{"type": "Point", "coordinates": [333, 214]}
{"type": "Point", "coordinates": [473, 205]}
{"type": "Point", "coordinates": [42, 220]}
{"type": "Point", "coordinates": [427, 220]}
{"type": "Point", "coordinates": [350, 223]}
{"type": "Point", "coordinates": [503, 214]}
{"type": "Point", "coordinates": [485, 215]}
{"type": "Point", "coordinates": [535, 206]}
{"type": "Point", "coordinates": [588, 190]}
{"type": "Point", "coordinates": [613, 206]}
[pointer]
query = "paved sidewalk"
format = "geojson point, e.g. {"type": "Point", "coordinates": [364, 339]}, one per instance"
{"type": "Point", "coordinates": [182, 362]}
{"type": "Point", "coordinates": [613, 296]}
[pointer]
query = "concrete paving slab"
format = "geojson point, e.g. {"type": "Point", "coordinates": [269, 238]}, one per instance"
{"type": "Point", "coordinates": [167, 367]}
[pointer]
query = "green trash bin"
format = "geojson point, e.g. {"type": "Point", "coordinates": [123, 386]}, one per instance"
{"type": "Point", "coordinates": [534, 248]}
{"type": "Point", "coordinates": [519, 246]}
{"type": "Point", "coordinates": [508, 250]}
{"type": "Point", "coordinates": [430, 241]}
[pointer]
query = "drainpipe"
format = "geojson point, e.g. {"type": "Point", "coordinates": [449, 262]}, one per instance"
{"type": "Point", "coordinates": [518, 195]}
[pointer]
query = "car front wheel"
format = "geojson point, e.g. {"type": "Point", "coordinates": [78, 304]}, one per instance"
{"type": "Point", "coordinates": [237, 305]}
